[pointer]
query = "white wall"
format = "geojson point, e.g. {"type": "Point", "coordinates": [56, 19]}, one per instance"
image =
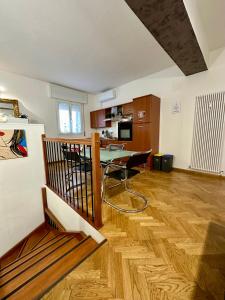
{"type": "Point", "coordinates": [87, 109]}
{"type": "Point", "coordinates": [71, 220]}
{"type": "Point", "coordinates": [21, 181]}
{"type": "Point", "coordinates": [34, 99]}
{"type": "Point", "coordinates": [170, 85]}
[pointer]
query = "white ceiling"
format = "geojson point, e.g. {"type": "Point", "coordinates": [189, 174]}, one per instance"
{"type": "Point", "coordinates": [91, 45]}
{"type": "Point", "coordinates": [213, 20]}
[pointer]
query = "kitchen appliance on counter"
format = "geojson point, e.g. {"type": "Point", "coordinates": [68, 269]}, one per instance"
{"type": "Point", "coordinates": [125, 131]}
{"type": "Point", "coordinates": [107, 134]}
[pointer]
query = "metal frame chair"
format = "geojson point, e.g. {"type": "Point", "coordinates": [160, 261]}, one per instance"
{"type": "Point", "coordinates": [123, 171]}
{"type": "Point", "coordinates": [76, 164]}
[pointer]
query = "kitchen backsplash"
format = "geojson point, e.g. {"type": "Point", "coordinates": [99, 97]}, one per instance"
{"type": "Point", "coordinates": [113, 130]}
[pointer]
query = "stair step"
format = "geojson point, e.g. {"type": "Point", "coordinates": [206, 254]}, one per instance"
{"type": "Point", "coordinates": [78, 235]}
{"type": "Point", "coordinates": [16, 251]}
{"type": "Point", "coordinates": [32, 252]}
{"type": "Point", "coordinates": [38, 242]}
{"type": "Point", "coordinates": [10, 257]}
{"type": "Point", "coordinates": [28, 260]}
{"type": "Point", "coordinates": [44, 274]}
{"type": "Point", "coordinates": [33, 240]}
{"type": "Point", "coordinates": [48, 237]}
{"type": "Point", "coordinates": [34, 269]}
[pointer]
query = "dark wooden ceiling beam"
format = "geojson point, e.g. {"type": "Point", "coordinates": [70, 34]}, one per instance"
{"type": "Point", "coordinates": [169, 23]}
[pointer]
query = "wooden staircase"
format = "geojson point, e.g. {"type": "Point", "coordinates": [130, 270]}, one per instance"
{"type": "Point", "coordinates": [41, 260]}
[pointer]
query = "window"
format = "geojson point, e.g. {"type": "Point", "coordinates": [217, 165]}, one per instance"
{"type": "Point", "coordinates": [70, 118]}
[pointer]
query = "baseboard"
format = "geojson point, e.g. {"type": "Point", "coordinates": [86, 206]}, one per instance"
{"type": "Point", "coordinates": [199, 173]}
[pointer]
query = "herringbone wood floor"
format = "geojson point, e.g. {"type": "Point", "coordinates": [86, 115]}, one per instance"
{"type": "Point", "coordinates": [174, 250]}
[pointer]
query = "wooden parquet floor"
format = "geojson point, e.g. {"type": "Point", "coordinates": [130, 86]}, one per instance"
{"type": "Point", "coordinates": [173, 250]}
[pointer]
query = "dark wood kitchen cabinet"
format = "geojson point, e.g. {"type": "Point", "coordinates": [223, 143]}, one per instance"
{"type": "Point", "coordinates": [142, 136]}
{"type": "Point", "coordinates": [146, 120]}
{"type": "Point", "coordinates": [93, 119]}
{"type": "Point", "coordinates": [128, 108]}
{"type": "Point", "coordinates": [146, 137]}
{"type": "Point", "coordinates": [145, 108]}
{"type": "Point", "coordinates": [98, 119]}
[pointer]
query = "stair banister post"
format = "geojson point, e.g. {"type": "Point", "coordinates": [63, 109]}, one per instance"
{"type": "Point", "coordinates": [96, 177]}
{"type": "Point", "coordinates": [43, 136]}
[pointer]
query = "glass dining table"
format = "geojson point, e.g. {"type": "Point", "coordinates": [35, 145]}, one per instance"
{"type": "Point", "coordinates": [113, 159]}
{"type": "Point", "coordinates": [107, 156]}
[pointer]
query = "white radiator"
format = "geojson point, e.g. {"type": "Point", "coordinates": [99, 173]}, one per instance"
{"type": "Point", "coordinates": [208, 135]}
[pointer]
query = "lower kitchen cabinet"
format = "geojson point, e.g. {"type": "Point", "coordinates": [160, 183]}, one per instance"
{"type": "Point", "coordinates": [146, 137]}
{"type": "Point", "coordinates": [142, 136]}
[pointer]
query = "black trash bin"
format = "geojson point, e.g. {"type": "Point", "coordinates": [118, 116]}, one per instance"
{"type": "Point", "coordinates": [167, 162]}
{"type": "Point", "coordinates": [157, 161]}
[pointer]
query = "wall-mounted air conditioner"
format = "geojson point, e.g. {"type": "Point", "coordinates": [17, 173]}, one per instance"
{"type": "Point", "coordinates": [107, 95]}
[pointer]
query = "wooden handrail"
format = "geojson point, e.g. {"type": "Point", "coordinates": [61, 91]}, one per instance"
{"type": "Point", "coordinates": [87, 142]}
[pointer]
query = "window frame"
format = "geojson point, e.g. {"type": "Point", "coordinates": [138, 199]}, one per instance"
{"type": "Point", "coordinates": [70, 103]}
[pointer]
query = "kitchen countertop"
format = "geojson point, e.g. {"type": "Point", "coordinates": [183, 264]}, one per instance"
{"type": "Point", "coordinates": [108, 139]}
{"type": "Point", "coordinates": [113, 139]}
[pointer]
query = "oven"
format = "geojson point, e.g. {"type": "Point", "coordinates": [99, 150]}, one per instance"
{"type": "Point", "coordinates": [125, 131]}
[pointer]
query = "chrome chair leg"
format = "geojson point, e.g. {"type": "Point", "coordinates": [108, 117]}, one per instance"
{"type": "Point", "coordinates": [117, 207]}
{"type": "Point", "coordinates": [114, 185]}
{"type": "Point", "coordinates": [72, 187]}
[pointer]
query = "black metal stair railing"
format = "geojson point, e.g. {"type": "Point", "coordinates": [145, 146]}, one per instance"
{"type": "Point", "coordinates": [69, 173]}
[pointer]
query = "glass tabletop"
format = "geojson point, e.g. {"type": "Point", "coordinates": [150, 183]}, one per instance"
{"type": "Point", "coordinates": [107, 156]}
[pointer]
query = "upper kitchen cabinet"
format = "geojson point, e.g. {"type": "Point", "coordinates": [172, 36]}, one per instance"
{"type": "Point", "coordinates": [93, 119]}
{"type": "Point", "coordinates": [146, 109]}
{"type": "Point", "coordinates": [98, 119]}
{"type": "Point", "coordinates": [127, 108]}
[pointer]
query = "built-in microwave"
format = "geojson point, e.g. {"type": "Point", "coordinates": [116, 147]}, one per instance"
{"type": "Point", "coordinates": [125, 131]}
